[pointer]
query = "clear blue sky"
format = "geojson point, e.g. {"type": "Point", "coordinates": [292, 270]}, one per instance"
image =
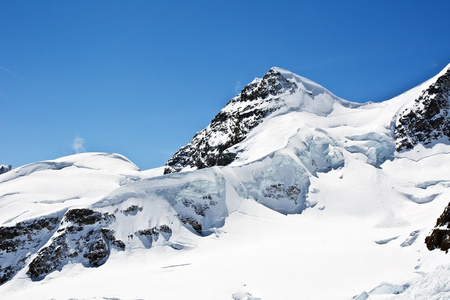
{"type": "Point", "coordinates": [140, 78]}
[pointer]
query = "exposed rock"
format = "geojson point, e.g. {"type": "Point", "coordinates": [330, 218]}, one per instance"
{"type": "Point", "coordinates": [191, 221]}
{"type": "Point", "coordinates": [18, 242]}
{"type": "Point", "coordinates": [83, 238]}
{"type": "Point", "coordinates": [150, 235]}
{"type": "Point", "coordinates": [5, 168]}
{"type": "Point", "coordinates": [49, 258]}
{"type": "Point", "coordinates": [428, 119]}
{"type": "Point", "coordinates": [98, 252]}
{"type": "Point", "coordinates": [83, 216]}
{"type": "Point", "coordinates": [119, 244]}
{"type": "Point", "coordinates": [212, 146]}
{"type": "Point", "coordinates": [199, 208]}
{"type": "Point", "coordinates": [133, 210]}
{"type": "Point", "coordinates": [444, 219]}
{"type": "Point", "coordinates": [148, 232]}
{"type": "Point", "coordinates": [11, 238]}
{"type": "Point", "coordinates": [279, 191]}
{"type": "Point", "coordinates": [165, 229]}
{"type": "Point", "coordinates": [440, 236]}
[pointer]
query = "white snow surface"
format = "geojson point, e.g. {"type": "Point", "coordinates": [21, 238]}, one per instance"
{"type": "Point", "coordinates": [49, 186]}
{"type": "Point", "coordinates": [318, 205]}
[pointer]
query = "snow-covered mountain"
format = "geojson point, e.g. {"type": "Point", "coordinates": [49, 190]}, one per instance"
{"type": "Point", "coordinates": [278, 92]}
{"type": "Point", "coordinates": [290, 193]}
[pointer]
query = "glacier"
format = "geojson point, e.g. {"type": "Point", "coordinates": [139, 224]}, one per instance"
{"type": "Point", "coordinates": [290, 192]}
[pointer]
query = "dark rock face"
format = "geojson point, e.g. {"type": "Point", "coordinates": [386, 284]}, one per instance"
{"type": "Point", "coordinates": [82, 237]}
{"type": "Point", "coordinates": [83, 216]}
{"type": "Point", "coordinates": [98, 252]}
{"type": "Point", "coordinates": [18, 242]}
{"type": "Point", "coordinates": [4, 169]}
{"type": "Point", "coordinates": [150, 235]}
{"type": "Point", "coordinates": [213, 145]}
{"type": "Point", "coordinates": [199, 208]}
{"type": "Point", "coordinates": [440, 236]}
{"type": "Point", "coordinates": [428, 119]}
{"type": "Point", "coordinates": [49, 258]}
{"type": "Point", "coordinates": [192, 222]}
{"type": "Point", "coordinates": [133, 210]}
{"type": "Point", "coordinates": [279, 191]}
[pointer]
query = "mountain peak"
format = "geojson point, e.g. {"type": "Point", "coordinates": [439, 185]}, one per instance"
{"type": "Point", "coordinates": [428, 120]}
{"type": "Point", "coordinates": [231, 125]}
{"type": "Point", "coordinates": [302, 83]}
{"type": "Point", "coordinates": [277, 92]}
{"type": "Point", "coordinates": [283, 72]}
{"type": "Point", "coordinates": [289, 146]}
{"type": "Point", "coordinates": [273, 83]}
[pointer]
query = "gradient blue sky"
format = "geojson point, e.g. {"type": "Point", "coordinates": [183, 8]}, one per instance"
{"type": "Point", "coordinates": [140, 78]}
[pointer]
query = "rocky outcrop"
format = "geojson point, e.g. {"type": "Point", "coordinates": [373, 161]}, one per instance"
{"type": "Point", "coordinates": [132, 210]}
{"type": "Point", "coordinates": [150, 235]}
{"type": "Point", "coordinates": [280, 191]}
{"type": "Point", "coordinates": [213, 145]}
{"type": "Point", "coordinates": [19, 242]}
{"type": "Point", "coordinates": [428, 119]}
{"type": "Point", "coordinates": [194, 224]}
{"type": "Point", "coordinates": [5, 168]}
{"type": "Point", "coordinates": [440, 236]}
{"type": "Point", "coordinates": [83, 237]}
{"type": "Point", "coordinates": [79, 235]}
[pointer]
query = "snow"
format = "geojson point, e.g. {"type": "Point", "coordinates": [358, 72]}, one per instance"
{"type": "Point", "coordinates": [258, 251]}
{"type": "Point", "coordinates": [46, 187]}
{"type": "Point", "coordinates": [433, 286]}
{"type": "Point", "coordinates": [318, 205]}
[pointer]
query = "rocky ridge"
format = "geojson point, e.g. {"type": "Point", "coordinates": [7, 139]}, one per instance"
{"type": "Point", "coordinates": [212, 146]}
{"type": "Point", "coordinates": [439, 238]}
{"type": "Point", "coordinates": [18, 242]}
{"type": "Point", "coordinates": [428, 119]}
{"type": "Point", "coordinates": [88, 235]}
{"type": "Point", "coordinates": [5, 168]}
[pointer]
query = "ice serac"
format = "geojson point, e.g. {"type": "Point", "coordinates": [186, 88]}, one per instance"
{"type": "Point", "coordinates": [279, 91]}
{"type": "Point", "coordinates": [428, 119]}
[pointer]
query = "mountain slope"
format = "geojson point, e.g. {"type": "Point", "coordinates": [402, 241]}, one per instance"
{"type": "Point", "coordinates": [342, 212]}
{"type": "Point", "coordinates": [429, 118]}
{"type": "Point", "coordinates": [278, 92]}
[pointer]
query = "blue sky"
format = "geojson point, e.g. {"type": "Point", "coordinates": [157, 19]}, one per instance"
{"type": "Point", "coordinates": [140, 78]}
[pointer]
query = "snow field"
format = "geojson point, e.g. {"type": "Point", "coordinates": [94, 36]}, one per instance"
{"type": "Point", "coordinates": [317, 205]}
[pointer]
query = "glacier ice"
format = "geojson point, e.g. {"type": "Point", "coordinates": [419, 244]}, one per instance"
{"type": "Point", "coordinates": [377, 148]}
{"type": "Point", "coordinates": [278, 182]}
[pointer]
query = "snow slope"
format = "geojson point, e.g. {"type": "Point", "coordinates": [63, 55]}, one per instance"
{"type": "Point", "coordinates": [310, 200]}
{"type": "Point", "coordinates": [45, 187]}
